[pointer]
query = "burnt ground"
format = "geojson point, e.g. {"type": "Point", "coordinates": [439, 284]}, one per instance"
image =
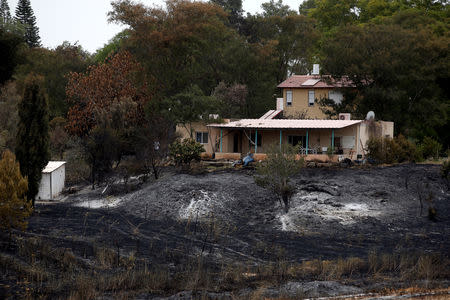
{"type": "Point", "coordinates": [225, 219]}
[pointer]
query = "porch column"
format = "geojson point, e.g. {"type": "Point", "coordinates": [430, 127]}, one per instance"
{"type": "Point", "coordinates": [280, 138]}
{"type": "Point", "coordinates": [221, 137]}
{"type": "Point", "coordinates": [332, 139]}
{"type": "Point", "coordinates": [256, 140]}
{"type": "Point", "coordinates": [307, 140]}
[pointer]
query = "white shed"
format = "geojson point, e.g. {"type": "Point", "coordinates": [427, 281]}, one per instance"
{"type": "Point", "coordinates": [52, 182]}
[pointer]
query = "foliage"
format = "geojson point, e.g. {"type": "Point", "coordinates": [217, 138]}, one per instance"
{"type": "Point", "coordinates": [118, 78]}
{"type": "Point", "coordinates": [113, 46]}
{"type": "Point", "coordinates": [396, 150]}
{"type": "Point", "coordinates": [272, 8]}
{"type": "Point", "coordinates": [14, 207]}
{"type": "Point", "coordinates": [11, 53]}
{"type": "Point", "coordinates": [184, 152]}
{"type": "Point", "coordinates": [445, 169]}
{"type": "Point", "coordinates": [180, 46]}
{"type": "Point", "coordinates": [430, 148]}
{"type": "Point", "coordinates": [152, 143]}
{"type": "Point", "coordinates": [32, 146]}
{"type": "Point", "coordinates": [293, 39]}
{"type": "Point", "coordinates": [9, 99]}
{"type": "Point", "coordinates": [112, 137]}
{"type": "Point", "coordinates": [101, 150]}
{"type": "Point", "coordinates": [399, 73]}
{"type": "Point", "coordinates": [275, 172]}
{"type": "Point", "coordinates": [54, 66]}
{"type": "Point", "coordinates": [188, 106]}
{"type": "Point", "coordinates": [25, 15]}
{"type": "Point", "coordinates": [234, 10]}
{"type": "Point", "coordinates": [232, 99]}
{"type": "Point", "coordinates": [58, 137]}
{"type": "Point", "coordinates": [5, 13]}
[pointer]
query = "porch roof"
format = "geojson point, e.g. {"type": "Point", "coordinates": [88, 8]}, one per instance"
{"type": "Point", "coordinates": [287, 124]}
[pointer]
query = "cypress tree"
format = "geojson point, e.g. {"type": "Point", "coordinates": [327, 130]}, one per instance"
{"type": "Point", "coordinates": [25, 15]}
{"type": "Point", "coordinates": [32, 148]}
{"type": "Point", "coordinates": [5, 14]}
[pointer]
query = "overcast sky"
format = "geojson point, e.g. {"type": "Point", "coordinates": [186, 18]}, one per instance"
{"type": "Point", "coordinates": [85, 21]}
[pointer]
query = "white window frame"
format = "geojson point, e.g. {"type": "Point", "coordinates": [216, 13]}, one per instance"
{"type": "Point", "coordinates": [289, 98]}
{"type": "Point", "coordinates": [201, 137]}
{"type": "Point", "coordinates": [311, 97]}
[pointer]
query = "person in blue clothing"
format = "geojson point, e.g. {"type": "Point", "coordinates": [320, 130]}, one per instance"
{"type": "Point", "coordinates": [248, 159]}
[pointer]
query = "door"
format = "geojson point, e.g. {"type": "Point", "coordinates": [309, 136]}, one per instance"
{"type": "Point", "coordinates": [236, 143]}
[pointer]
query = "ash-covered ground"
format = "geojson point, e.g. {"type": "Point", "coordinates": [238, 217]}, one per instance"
{"type": "Point", "coordinates": [226, 218]}
{"type": "Point", "coordinates": [334, 213]}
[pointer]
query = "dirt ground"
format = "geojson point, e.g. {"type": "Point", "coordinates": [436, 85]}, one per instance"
{"type": "Point", "coordinates": [359, 215]}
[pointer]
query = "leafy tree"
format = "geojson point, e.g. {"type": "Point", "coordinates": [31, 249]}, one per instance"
{"type": "Point", "coordinates": [232, 99]}
{"type": "Point", "coordinates": [25, 15]}
{"type": "Point", "coordinates": [234, 10]}
{"type": "Point", "coordinates": [54, 66]}
{"type": "Point", "coordinates": [292, 39]}
{"type": "Point", "coordinates": [113, 46]}
{"type": "Point", "coordinates": [332, 13]}
{"type": "Point", "coordinates": [9, 99]}
{"type": "Point", "coordinates": [32, 149]}
{"type": "Point", "coordinates": [10, 53]}
{"type": "Point", "coordinates": [272, 9]}
{"type": "Point", "coordinates": [58, 137]}
{"type": "Point", "coordinates": [189, 106]}
{"type": "Point", "coordinates": [179, 46]}
{"type": "Point", "coordinates": [14, 207]}
{"type": "Point", "coordinates": [275, 172]}
{"type": "Point", "coordinates": [398, 73]}
{"type": "Point", "coordinates": [117, 79]}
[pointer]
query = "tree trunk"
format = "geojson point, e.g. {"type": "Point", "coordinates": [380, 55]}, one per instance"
{"type": "Point", "coordinates": [285, 198]}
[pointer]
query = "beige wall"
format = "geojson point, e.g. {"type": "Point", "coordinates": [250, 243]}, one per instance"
{"type": "Point", "coordinates": [370, 129]}
{"type": "Point", "coordinates": [213, 135]}
{"type": "Point", "coordinates": [300, 103]}
{"type": "Point", "coordinates": [356, 137]}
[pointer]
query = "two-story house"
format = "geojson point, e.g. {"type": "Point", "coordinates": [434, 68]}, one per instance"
{"type": "Point", "coordinates": [320, 138]}
{"type": "Point", "coordinates": [302, 92]}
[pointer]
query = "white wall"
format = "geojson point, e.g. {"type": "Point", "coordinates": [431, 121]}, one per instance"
{"type": "Point", "coordinates": [58, 177]}
{"type": "Point", "coordinates": [52, 184]}
{"type": "Point", "coordinates": [44, 187]}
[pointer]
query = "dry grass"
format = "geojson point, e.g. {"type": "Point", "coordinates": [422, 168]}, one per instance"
{"type": "Point", "coordinates": [51, 271]}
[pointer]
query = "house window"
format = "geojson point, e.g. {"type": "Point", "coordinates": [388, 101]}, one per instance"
{"type": "Point", "coordinates": [202, 137]}
{"type": "Point", "coordinates": [288, 98]}
{"type": "Point", "coordinates": [294, 140]}
{"type": "Point", "coordinates": [252, 137]}
{"type": "Point", "coordinates": [336, 96]}
{"type": "Point", "coordinates": [311, 98]}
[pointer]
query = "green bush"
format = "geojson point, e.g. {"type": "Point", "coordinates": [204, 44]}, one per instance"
{"type": "Point", "coordinates": [185, 151]}
{"type": "Point", "coordinates": [430, 148]}
{"type": "Point", "coordinates": [445, 169]}
{"type": "Point", "coordinates": [396, 150]}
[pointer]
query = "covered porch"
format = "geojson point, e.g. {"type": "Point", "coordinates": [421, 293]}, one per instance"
{"type": "Point", "coordinates": [318, 139]}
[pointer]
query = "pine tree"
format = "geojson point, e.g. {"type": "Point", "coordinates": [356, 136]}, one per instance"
{"type": "Point", "coordinates": [5, 14]}
{"type": "Point", "coordinates": [32, 148]}
{"type": "Point", "coordinates": [25, 15]}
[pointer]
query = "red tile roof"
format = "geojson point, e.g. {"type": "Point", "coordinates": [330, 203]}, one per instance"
{"type": "Point", "coordinates": [314, 81]}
